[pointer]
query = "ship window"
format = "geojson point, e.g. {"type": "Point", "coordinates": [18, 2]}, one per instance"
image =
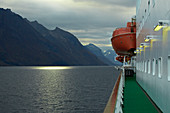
{"type": "Point", "coordinates": [149, 67]}
{"type": "Point", "coordinates": [138, 65]}
{"type": "Point", "coordinates": [159, 67]}
{"type": "Point", "coordinates": [153, 66]}
{"type": "Point", "coordinates": [168, 68]}
{"type": "Point", "coordinates": [141, 65]}
{"type": "Point", "coordinates": [148, 7]}
{"type": "Point", "coordinates": [153, 1]}
{"type": "Point", "coordinates": [149, 2]}
{"type": "Point", "coordinates": [145, 66]}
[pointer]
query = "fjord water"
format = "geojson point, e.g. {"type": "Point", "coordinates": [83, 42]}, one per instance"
{"type": "Point", "coordinates": [56, 89]}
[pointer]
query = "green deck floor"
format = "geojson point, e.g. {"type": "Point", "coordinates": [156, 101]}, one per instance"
{"type": "Point", "coordinates": [135, 100]}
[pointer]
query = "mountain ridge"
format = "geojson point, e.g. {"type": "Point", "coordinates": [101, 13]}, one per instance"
{"type": "Point", "coordinates": [22, 44]}
{"type": "Point", "coordinates": [99, 53]}
{"type": "Point", "coordinates": [111, 55]}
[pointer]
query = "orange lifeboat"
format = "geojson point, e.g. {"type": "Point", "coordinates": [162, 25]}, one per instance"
{"type": "Point", "coordinates": [124, 39]}
{"type": "Point", "coordinates": [121, 58]}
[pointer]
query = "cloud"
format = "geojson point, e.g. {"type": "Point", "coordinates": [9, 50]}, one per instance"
{"type": "Point", "coordinates": [95, 19]}
{"type": "Point", "coordinates": [72, 14]}
{"type": "Point", "coordinates": [124, 3]}
{"type": "Point", "coordinates": [98, 42]}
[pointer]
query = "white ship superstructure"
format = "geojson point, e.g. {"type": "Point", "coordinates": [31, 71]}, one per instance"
{"type": "Point", "coordinates": [153, 50]}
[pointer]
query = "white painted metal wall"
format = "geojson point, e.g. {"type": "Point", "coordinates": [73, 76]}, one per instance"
{"type": "Point", "coordinates": [149, 12]}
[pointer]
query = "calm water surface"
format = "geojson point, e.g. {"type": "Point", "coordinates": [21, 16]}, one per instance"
{"type": "Point", "coordinates": [55, 89]}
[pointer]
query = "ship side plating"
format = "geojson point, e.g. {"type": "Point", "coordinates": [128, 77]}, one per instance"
{"type": "Point", "coordinates": [153, 52]}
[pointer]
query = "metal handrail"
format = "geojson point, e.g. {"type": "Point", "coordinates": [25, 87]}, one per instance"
{"type": "Point", "coordinates": [111, 105]}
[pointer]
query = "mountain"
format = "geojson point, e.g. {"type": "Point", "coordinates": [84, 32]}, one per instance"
{"type": "Point", "coordinates": [98, 52]}
{"type": "Point", "coordinates": [111, 54]}
{"type": "Point", "coordinates": [30, 43]}
{"type": "Point", "coordinates": [67, 42]}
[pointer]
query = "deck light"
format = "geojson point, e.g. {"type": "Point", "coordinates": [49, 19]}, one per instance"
{"type": "Point", "coordinates": [150, 37]}
{"type": "Point", "coordinates": [140, 48]}
{"type": "Point", "coordinates": [141, 45]}
{"type": "Point", "coordinates": [137, 51]}
{"type": "Point", "coordinates": [147, 39]}
{"type": "Point", "coordinates": [161, 24]}
{"type": "Point", "coordinates": [144, 45]}
{"type": "Point", "coordinates": [158, 27]}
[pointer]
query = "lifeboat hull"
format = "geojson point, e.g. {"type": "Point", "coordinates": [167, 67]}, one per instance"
{"type": "Point", "coordinates": [124, 44]}
{"type": "Point", "coordinates": [121, 59]}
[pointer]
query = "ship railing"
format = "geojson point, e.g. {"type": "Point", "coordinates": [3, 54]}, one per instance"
{"type": "Point", "coordinates": [115, 102]}
{"type": "Point", "coordinates": [119, 102]}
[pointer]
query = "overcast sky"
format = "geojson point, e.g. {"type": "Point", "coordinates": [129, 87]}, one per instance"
{"type": "Point", "coordinates": [91, 21]}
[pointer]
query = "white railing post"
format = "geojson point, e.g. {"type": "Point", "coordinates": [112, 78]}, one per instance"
{"type": "Point", "coordinates": [119, 101]}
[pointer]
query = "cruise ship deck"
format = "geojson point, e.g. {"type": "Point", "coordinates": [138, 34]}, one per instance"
{"type": "Point", "coordinates": [135, 100]}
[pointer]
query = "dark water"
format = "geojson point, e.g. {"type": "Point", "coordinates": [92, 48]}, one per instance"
{"type": "Point", "coordinates": [55, 90]}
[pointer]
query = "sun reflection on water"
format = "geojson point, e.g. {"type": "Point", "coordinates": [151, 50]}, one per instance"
{"type": "Point", "coordinates": [53, 67]}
